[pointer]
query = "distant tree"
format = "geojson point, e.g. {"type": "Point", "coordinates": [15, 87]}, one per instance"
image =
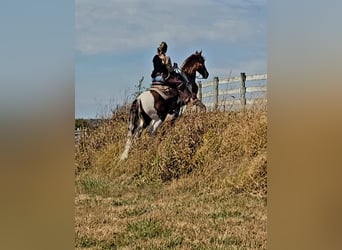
{"type": "Point", "coordinates": [81, 123]}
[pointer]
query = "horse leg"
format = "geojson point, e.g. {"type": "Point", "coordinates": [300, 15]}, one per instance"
{"type": "Point", "coordinates": [177, 113]}
{"type": "Point", "coordinates": [155, 125]}
{"type": "Point", "coordinates": [150, 128]}
{"type": "Point", "coordinates": [174, 118]}
{"type": "Point", "coordinates": [198, 103]}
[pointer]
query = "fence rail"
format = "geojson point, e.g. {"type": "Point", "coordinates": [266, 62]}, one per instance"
{"type": "Point", "coordinates": [244, 92]}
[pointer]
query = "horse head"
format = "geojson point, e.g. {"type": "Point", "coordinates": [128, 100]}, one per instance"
{"type": "Point", "coordinates": [195, 63]}
{"type": "Point", "coordinates": [201, 68]}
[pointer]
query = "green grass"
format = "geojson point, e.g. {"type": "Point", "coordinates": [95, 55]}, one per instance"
{"type": "Point", "coordinates": [147, 229]}
{"type": "Point", "coordinates": [93, 185]}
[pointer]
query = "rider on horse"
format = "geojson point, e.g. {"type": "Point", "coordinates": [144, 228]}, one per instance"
{"type": "Point", "coordinates": [164, 73]}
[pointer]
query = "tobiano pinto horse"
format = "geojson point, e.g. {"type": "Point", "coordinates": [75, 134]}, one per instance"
{"type": "Point", "coordinates": [152, 107]}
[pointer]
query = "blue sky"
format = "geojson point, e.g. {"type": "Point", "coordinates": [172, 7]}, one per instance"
{"type": "Point", "coordinates": [115, 41]}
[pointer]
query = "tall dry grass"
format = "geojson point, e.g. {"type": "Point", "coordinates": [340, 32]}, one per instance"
{"type": "Point", "coordinates": [201, 184]}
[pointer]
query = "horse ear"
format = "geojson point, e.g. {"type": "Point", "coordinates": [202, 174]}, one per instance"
{"type": "Point", "coordinates": [200, 52]}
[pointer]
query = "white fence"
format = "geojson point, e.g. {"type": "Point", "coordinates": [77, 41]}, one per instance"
{"type": "Point", "coordinates": [234, 92]}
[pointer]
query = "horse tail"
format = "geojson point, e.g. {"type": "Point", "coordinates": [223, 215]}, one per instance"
{"type": "Point", "coordinates": [132, 126]}
{"type": "Point", "coordinates": [133, 116]}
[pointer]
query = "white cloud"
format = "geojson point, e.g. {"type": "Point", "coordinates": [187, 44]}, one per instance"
{"type": "Point", "coordinates": [115, 25]}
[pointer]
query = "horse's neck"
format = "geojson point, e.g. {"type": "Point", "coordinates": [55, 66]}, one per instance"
{"type": "Point", "coordinates": [189, 71]}
{"type": "Point", "coordinates": [190, 77]}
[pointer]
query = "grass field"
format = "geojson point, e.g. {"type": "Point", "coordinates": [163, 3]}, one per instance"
{"type": "Point", "coordinates": [201, 184]}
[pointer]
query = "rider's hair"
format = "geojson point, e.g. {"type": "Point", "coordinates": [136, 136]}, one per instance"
{"type": "Point", "coordinates": [162, 48]}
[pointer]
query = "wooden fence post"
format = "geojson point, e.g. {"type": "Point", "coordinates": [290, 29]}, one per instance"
{"type": "Point", "coordinates": [216, 93]}
{"type": "Point", "coordinates": [200, 90]}
{"type": "Point", "coordinates": [243, 89]}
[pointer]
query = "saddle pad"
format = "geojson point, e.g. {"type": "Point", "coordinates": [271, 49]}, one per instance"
{"type": "Point", "coordinates": [164, 91]}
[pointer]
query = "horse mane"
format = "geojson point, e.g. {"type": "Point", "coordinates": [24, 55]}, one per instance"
{"type": "Point", "coordinates": [190, 62]}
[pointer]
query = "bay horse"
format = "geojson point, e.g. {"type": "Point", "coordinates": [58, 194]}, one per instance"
{"type": "Point", "coordinates": [151, 107]}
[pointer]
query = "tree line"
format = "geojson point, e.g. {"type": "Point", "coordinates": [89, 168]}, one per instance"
{"type": "Point", "coordinates": [82, 123]}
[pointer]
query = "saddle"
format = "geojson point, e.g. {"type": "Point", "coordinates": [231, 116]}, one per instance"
{"type": "Point", "coordinates": [163, 90]}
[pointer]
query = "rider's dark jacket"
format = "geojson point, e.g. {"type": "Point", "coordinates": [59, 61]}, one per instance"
{"type": "Point", "coordinates": [159, 67]}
